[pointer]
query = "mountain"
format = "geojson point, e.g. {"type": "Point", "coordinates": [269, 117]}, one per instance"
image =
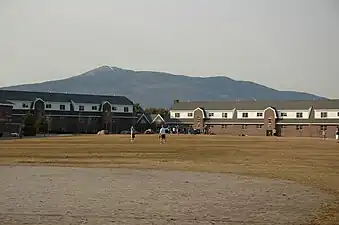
{"type": "Point", "coordinates": [157, 89]}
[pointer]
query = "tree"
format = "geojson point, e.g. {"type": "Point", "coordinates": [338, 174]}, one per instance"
{"type": "Point", "coordinates": [163, 112]}
{"type": "Point", "coordinates": [42, 125]}
{"type": "Point", "coordinates": [29, 128]}
{"type": "Point", "coordinates": [137, 108]}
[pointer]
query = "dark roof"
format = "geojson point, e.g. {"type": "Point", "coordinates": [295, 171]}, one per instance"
{"type": "Point", "coordinates": [62, 97]}
{"type": "Point", "coordinates": [257, 105]}
{"type": "Point", "coordinates": [3, 102]}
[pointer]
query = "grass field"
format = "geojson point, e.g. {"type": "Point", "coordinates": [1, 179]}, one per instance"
{"type": "Point", "coordinates": [310, 162]}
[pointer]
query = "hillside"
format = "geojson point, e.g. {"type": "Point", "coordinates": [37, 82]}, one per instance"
{"type": "Point", "coordinates": [156, 89]}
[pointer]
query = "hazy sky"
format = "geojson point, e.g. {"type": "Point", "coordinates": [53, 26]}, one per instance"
{"type": "Point", "coordinates": [284, 44]}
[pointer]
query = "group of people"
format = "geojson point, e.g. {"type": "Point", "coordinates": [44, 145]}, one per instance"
{"type": "Point", "coordinates": [162, 134]}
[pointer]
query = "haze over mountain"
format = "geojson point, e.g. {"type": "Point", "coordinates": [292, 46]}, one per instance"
{"type": "Point", "coordinates": [157, 89]}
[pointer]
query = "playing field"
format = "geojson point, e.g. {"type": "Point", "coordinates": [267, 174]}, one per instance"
{"type": "Point", "coordinates": [309, 163]}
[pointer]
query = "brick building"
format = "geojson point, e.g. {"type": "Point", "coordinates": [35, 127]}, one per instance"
{"type": "Point", "coordinates": [67, 113]}
{"type": "Point", "coordinates": [262, 118]}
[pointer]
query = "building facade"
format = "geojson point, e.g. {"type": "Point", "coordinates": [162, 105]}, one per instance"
{"type": "Point", "coordinates": [67, 113]}
{"type": "Point", "coordinates": [259, 118]}
{"type": "Point", "coordinates": [150, 121]}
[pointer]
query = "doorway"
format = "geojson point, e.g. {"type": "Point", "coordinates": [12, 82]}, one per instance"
{"type": "Point", "coordinates": [269, 132]}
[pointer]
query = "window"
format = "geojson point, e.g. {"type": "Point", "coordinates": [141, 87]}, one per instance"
{"type": "Point", "coordinates": [259, 126]}
{"type": "Point", "coordinates": [177, 115]}
{"type": "Point", "coordinates": [24, 105]}
{"type": "Point", "coordinates": [299, 127]}
{"type": "Point", "coordinates": [189, 114]}
{"type": "Point", "coordinates": [299, 115]}
{"type": "Point", "coordinates": [48, 106]}
{"type": "Point", "coordinates": [259, 114]}
{"type": "Point", "coordinates": [125, 109]}
{"type": "Point", "coordinates": [94, 107]}
{"type": "Point", "coordinates": [62, 107]}
{"type": "Point", "coordinates": [323, 127]}
{"type": "Point", "coordinates": [244, 126]}
{"type": "Point", "coordinates": [244, 115]}
{"type": "Point", "coordinates": [323, 114]}
{"type": "Point", "coordinates": [283, 114]}
{"type": "Point", "coordinates": [269, 121]}
{"type": "Point", "coordinates": [210, 114]}
{"type": "Point", "coordinates": [224, 126]}
{"type": "Point", "coordinates": [224, 115]}
{"type": "Point", "coordinates": [81, 108]}
{"type": "Point", "coordinates": [114, 108]}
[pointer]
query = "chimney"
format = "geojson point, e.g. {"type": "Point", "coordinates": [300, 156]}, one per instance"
{"type": "Point", "coordinates": [176, 101]}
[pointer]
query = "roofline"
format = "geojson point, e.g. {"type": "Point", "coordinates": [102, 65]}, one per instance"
{"type": "Point", "coordinates": [157, 116]}
{"type": "Point", "coordinates": [65, 93]}
{"type": "Point", "coordinates": [6, 104]}
{"type": "Point", "coordinates": [143, 115]}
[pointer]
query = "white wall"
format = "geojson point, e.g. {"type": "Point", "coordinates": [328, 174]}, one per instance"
{"type": "Point", "coordinates": [19, 104]}
{"type": "Point", "coordinates": [252, 114]}
{"type": "Point", "coordinates": [331, 113]}
{"type": "Point", "coordinates": [120, 108]}
{"type": "Point", "coordinates": [55, 106]}
{"type": "Point", "coordinates": [217, 114]}
{"type": "Point", "coordinates": [87, 107]}
{"type": "Point", "coordinates": [183, 114]}
{"type": "Point", "coordinates": [292, 114]}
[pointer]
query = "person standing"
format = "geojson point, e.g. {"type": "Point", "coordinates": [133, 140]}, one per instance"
{"type": "Point", "coordinates": [162, 134]}
{"type": "Point", "coordinates": [337, 135]}
{"type": "Point", "coordinates": [132, 133]}
{"type": "Point", "coordinates": [323, 134]}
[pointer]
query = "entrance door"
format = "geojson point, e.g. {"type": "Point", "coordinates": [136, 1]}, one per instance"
{"type": "Point", "coordinates": [269, 132]}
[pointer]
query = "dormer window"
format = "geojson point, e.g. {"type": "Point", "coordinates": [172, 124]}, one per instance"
{"type": "Point", "coordinates": [114, 108]}
{"type": "Point", "coordinates": [94, 107]}
{"type": "Point", "coordinates": [210, 114]}
{"type": "Point", "coordinates": [323, 114]}
{"type": "Point", "coordinates": [224, 115]}
{"type": "Point", "coordinates": [283, 114]}
{"type": "Point", "coordinates": [62, 107]}
{"type": "Point", "coordinates": [299, 115]}
{"type": "Point", "coordinates": [259, 114]}
{"type": "Point", "coordinates": [24, 105]}
{"type": "Point", "coordinates": [48, 106]}
{"type": "Point", "coordinates": [126, 109]}
{"type": "Point", "coordinates": [244, 115]}
{"type": "Point", "coordinates": [81, 108]}
{"type": "Point", "coordinates": [189, 114]}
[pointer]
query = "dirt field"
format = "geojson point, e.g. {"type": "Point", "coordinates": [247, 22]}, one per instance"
{"type": "Point", "coordinates": [170, 197]}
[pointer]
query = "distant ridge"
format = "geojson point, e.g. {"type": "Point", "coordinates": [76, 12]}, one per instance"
{"type": "Point", "coordinates": [159, 89]}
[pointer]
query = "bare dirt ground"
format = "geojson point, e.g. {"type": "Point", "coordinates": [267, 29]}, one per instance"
{"type": "Point", "coordinates": [35, 195]}
{"type": "Point", "coordinates": [308, 162]}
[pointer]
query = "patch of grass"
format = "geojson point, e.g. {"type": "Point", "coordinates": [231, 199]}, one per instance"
{"type": "Point", "coordinates": [312, 162]}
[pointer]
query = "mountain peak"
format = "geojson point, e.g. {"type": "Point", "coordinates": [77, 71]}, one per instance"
{"type": "Point", "coordinates": [157, 89]}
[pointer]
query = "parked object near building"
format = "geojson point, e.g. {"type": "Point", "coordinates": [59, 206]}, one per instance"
{"type": "Point", "coordinates": [297, 118]}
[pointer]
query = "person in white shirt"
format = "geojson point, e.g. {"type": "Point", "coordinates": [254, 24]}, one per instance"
{"type": "Point", "coordinates": [162, 135]}
{"type": "Point", "coordinates": [132, 134]}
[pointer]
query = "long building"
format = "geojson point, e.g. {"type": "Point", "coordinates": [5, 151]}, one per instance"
{"type": "Point", "coordinates": [284, 118]}
{"type": "Point", "coordinates": [67, 113]}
